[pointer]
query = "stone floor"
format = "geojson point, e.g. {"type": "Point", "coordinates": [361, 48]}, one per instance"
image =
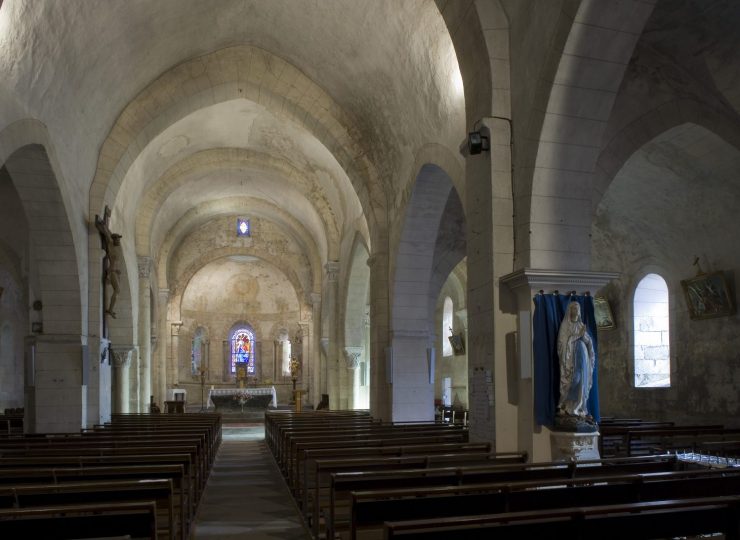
{"type": "Point", "coordinates": [246, 496]}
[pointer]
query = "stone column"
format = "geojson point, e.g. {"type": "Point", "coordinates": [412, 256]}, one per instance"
{"type": "Point", "coordinates": [135, 404]}
{"type": "Point", "coordinates": [145, 330]}
{"type": "Point", "coordinates": [56, 389]}
{"type": "Point", "coordinates": [490, 248]}
{"type": "Point", "coordinates": [174, 360]}
{"type": "Point", "coordinates": [329, 308]}
{"type": "Point", "coordinates": [163, 335]}
{"type": "Point", "coordinates": [314, 344]}
{"type": "Point", "coordinates": [534, 439]}
{"type": "Point", "coordinates": [380, 389]}
{"type": "Point", "coordinates": [308, 363]}
{"type": "Point", "coordinates": [352, 357]}
{"type": "Point", "coordinates": [121, 363]}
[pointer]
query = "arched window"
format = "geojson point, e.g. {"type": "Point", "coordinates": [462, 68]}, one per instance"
{"type": "Point", "coordinates": [652, 345]}
{"type": "Point", "coordinates": [447, 327]}
{"type": "Point", "coordinates": [196, 355]}
{"type": "Point", "coordinates": [242, 348]}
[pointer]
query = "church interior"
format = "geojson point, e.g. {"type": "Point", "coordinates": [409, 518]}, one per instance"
{"type": "Point", "coordinates": [350, 205]}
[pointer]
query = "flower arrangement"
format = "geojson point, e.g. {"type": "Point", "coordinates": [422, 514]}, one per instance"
{"type": "Point", "coordinates": [242, 398]}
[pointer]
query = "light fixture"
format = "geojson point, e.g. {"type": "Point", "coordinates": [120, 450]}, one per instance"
{"type": "Point", "coordinates": [477, 142]}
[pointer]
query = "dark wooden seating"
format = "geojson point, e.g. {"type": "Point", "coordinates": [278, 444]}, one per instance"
{"type": "Point", "coordinates": [164, 459]}
{"type": "Point", "coordinates": [643, 520]}
{"type": "Point", "coordinates": [134, 520]}
{"type": "Point", "coordinates": [159, 491]}
{"type": "Point", "coordinates": [372, 508]}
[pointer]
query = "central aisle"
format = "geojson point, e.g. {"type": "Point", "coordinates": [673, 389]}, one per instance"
{"type": "Point", "coordinates": [246, 496]}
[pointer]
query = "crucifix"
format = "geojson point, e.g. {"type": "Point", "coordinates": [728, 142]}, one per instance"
{"type": "Point", "coordinates": [111, 269]}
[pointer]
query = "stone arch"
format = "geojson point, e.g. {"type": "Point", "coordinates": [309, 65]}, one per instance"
{"type": "Point", "coordinates": [413, 273]}
{"type": "Point", "coordinates": [649, 126]}
{"type": "Point", "coordinates": [441, 157]}
{"type": "Point", "coordinates": [238, 72]}
{"type": "Point", "coordinates": [554, 218]}
{"type": "Point", "coordinates": [355, 355]}
{"type": "Point", "coordinates": [231, 159]}
{"type": "Point", "coordinates": [214, 209]}
{"type": "Point", "coordinates": [53, 255]}
{"type": "Point", "coordinates": [357, 290]}
{"type": "Point", "coordinates": [180, 285]}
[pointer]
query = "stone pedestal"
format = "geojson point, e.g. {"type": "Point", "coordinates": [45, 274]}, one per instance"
{"type": "Point", "coordinates": [569, 446]}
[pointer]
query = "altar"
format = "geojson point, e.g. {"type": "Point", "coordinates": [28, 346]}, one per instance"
{"type": "Point", "coordinates": [229, 393]}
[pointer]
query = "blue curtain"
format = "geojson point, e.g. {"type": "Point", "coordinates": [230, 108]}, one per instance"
{"type": "Point", "coordinates": [549, 310]}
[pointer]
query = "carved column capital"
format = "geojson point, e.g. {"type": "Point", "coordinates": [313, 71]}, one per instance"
{"type": "Point", "coordinates": [315, 299]}
{"type": "Point", "coordinates": [352, 356]}
{"type": "Point", "coordinates": [175, 328]}
{"type": "Point", "coordinates": [145, 267]}
{"type": "Point", "coordinates": [122, 355]}
{"type": "Point", "coordinates": [332, 271]}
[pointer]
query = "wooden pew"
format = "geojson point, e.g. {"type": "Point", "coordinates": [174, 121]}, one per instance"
{"type": "Point", "coordinates": [325, 497]}
{"type": "Point", "coordinates": [344, 484]}
{"type": "Point", "coordinates": [370, 509]}
{"type": "Point", "coordinates": [644, 520]}
{"type": "Point", "coordinates": [287, 448]}
{"type": "Point", "coordinates": [102, 453]}
{"type": "Point", "coordinates": [59, 476]}
{"type": "Point", "coordinates": [298, 445]}
{"type": "Point", "coordinates": [622, 441]}
{"type": "Point", "coordinates": [158, 491]}
{"type": "Point", "coordinates": [136, 520]}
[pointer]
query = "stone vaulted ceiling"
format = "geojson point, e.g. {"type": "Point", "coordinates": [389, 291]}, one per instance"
{"type": "Point", "coordinates": [176, 113]}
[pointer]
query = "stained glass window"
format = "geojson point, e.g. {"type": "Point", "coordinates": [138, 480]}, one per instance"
{"type": "Point", "coordinates": [196, 355]}
{"type": "Point", "coordinates": [242, 227]}
{"type": "Point", "coordinates": [242, 349]}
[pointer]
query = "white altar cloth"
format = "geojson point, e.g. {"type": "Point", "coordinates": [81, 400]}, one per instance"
{"type": "Point", "coordinates": [259, 391]}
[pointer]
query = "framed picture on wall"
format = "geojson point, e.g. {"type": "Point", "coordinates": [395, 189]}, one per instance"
{"type": "Point", "coordinates": [707, 296]}
{"type": "Point", "coordinates": [603, 313]}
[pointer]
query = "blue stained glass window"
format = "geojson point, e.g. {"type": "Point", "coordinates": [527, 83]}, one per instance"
{"type": "Point", "coordinates": [242, 227]}
{"type": "Point", "coordinates": [242, 349]}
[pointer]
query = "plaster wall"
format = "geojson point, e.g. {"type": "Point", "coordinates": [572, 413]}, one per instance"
{"type": "Point", "coordinates": [671, 202]}
{"type": "Point", "coordinates": [228, 291]}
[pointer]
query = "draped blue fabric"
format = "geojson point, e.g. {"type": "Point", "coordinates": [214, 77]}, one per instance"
{"type": "Point", "coordinates": [549, 310]}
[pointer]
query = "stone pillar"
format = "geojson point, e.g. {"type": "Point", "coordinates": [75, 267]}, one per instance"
{"type": "Point", "coordinates": [120, 388]}
{"type": "Point", "coordinates": [314, 344]}
{"type": "Point", "coordinates": [145, 331]}
{"type": "Point", "coordinates": [490, 247]}
{"type": "Point", "coordinates": [329, 307]}
{"type": "Point", "coordinates": [135, 404]}
{"type": "Point", "coordinates": [308, 362]}
{"type": "Point", "coordinates": [380, 388]}
{"type": "Point", "coordinates": [162, 334]}
{"type": "Point", "coordinates": [56, 389]}
{"type": "Point", "coordinates": [534, 439]}
{"type": "Point", "coordinates": [352, 357]}
{"type": "Point", "coordinates": [174, 360]}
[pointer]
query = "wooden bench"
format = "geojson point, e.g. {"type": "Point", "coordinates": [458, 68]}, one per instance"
{"type": "Point", "coordinates": [644, 520]}
{"type": "Point", "coordinates": [158, 491]}
{"type": "Point", "coordinates": [299, 445]}
{"type": "Point", "coordinates": [326, 498]}
{"type": "Point", "coordinates": [135, 520]}
{"type": "Point", "coordinates": [182, 501]}
{"type": "Point", "coordinates": [343, 483]}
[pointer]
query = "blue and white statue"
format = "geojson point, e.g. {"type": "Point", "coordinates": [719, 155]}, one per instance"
{"type": "Point", "coordinates": [577, 360]}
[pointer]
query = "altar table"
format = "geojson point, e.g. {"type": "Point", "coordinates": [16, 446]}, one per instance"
{"type": "Point", "coordinates": [258, 391]}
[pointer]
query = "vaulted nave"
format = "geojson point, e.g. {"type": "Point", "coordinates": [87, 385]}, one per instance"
{"type": "Point", "coordinates": [384, 206]}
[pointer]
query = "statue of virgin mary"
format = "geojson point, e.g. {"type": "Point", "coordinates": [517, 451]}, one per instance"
{"type": "Point", "coordinates": [577, 360]}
